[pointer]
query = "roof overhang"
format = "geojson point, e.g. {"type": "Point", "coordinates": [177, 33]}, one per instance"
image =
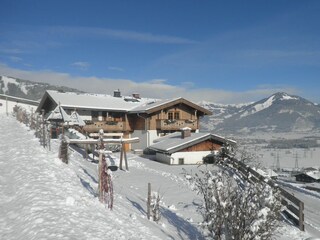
{"type": "Point", "coordinates": [192, 142]}
{"type": "Point", "coordinates": [170, 103]}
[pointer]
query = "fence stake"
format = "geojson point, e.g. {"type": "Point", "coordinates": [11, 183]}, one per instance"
{"type": "Point", "coordinates": [43, 130]}
{"type": "Point", "coordinates": [301, 216]}
{"type": "Point", "coordinates": [149, 201]}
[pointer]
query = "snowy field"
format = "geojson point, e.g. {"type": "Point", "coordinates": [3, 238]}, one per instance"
{"type": "Point", "coordinates": [42, 198]}
{"type": "Point", "coordinates": [268, 157]}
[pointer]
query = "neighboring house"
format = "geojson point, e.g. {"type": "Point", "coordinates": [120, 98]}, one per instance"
{"type": "Point", "coordinates": [7, 104]}
{"type": "Point", "coordinates": [308, 177]}
{"type": "Point", "coordinates": [186, 147]}
{"type": "Point", "coordinates": [132, 116]}
{"type": "Point", "coordinates": [268, 173]}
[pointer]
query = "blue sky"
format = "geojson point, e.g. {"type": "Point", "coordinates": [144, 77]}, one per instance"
{"type": "Point", "coordinates": [221, 51]}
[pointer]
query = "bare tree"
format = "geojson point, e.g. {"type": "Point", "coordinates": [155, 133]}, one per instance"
{"type": "Point", "coordinates": [233, 207]}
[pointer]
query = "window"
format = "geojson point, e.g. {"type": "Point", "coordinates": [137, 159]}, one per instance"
{"type": "Point", "coordinates": [181, 161]}
{"type": "Point", "coordinates": [173, 115]}
{"type": "Point", "coordinates": [176, 115]}
{"type": "Point", "coordinates": [95, 115]}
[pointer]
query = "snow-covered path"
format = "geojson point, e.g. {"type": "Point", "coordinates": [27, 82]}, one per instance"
{"type": "Point", "coordinates": [41, 198]}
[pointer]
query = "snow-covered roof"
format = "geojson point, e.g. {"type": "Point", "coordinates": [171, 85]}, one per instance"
{"type": "Point", "coordinates": [155, 105]}
{"type": "Point", "coordinates": [314, 174]}
{"type": "Point", "coordinates": [58, 114]}
{"type": "Point", "coordinates": [174, 142]}
{"type": "Point", "coordinates": [152, 104]}
{"type": "Point", "coordinates": [76, 119]}
{"type": "Point", "coordinates": [91, 101]}
{"type": "Point", "coordinates": [266, 173]}
{"type": "Point", "coordinates": [111, 103]}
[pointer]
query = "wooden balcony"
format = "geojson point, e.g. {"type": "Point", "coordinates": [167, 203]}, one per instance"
{"type": "Point", "coordinates": [107, 126]}
{"type": "Point", "coordinates": [175, 125]}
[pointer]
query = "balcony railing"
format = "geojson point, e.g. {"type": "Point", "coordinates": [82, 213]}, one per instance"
{"type": "Point", "coordinates": [107, 126]}
{"type": "Point", "coordinates": [174, 125]}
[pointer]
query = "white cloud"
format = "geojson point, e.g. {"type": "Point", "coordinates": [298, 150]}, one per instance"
{"type": "Point", "coordinates": [120, 34]}
{"type": "Point", "coordinates": [81, 65]}
{"type": "Point", "coordinates": [15, 59]}
{"type": "Point", "coordinates": [156, 88]}
{"type": "Point", "coordinates": [118, 69]}
{"type": "Point", "coordinates": [7, 50]}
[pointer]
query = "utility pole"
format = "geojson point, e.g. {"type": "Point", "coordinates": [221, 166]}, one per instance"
{"type": "Point", "coordinates": [278, 162]}
{"type": "Point", "coordinates": [296, 164]}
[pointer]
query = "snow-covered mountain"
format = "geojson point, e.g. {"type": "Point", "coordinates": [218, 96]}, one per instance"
{"type": "Point", "coordinates": [28, 89]}
{"type": "Point", "coordinates": [280, 112]}
{"type": "Point", "coordinates": [220, 112]}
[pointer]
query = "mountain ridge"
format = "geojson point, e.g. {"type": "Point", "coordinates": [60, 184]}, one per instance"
{"type": "Point", "coordinates": [28, 89]}
{"type": "Point", "coordinates": [279, 112]}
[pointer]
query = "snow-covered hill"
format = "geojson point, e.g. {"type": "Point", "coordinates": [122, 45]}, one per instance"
{"type": "Point", "coordinates": [27, 89]}
{"type": "Point", "coordinates": [42, 198]}
{"type": "Point", "coordinates": [280, 112]}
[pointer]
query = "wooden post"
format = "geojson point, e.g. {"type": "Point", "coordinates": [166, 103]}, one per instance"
{"type": "Point", "coordinates": [301, 216]}
{"type": "Point", "coordinates": [49, 140]}
{"type": "Point", "coordinates": [86, 151]}
{"type": "Point", "coordinates": [100, 168]}
{"type": "Point", "coordinates": [149, 201]}
{"type": "Point", "coordinates": [125, 156]}
{"type": "Point", "coordinates": [121, 158]}
{"type": "Point", "coordinates": [43, 130]}
{"type": "Point", "coordinates": [99, 176]}
{"type": "Point", "coordinates": [92, 148]}
{"type": "Point", "coordinates": [63, 151]}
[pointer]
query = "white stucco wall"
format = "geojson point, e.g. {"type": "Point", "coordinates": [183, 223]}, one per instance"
{"type": "Point", "coordinates": [146, 138]}
{"type": "Point", "coordinates": [160, 157]}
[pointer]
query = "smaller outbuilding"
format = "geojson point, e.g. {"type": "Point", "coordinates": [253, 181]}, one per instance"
{"type": "Point", "coordinates": [308, 176]}
{"type": "Point", "coordinates": [186, 147]}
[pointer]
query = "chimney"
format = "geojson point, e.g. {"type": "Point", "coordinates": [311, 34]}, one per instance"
{"type": "Point", "coordinates": [117, 93]}
{"type": "Point", "coordinates": [185, 132]}
{"type": "Point", "coordinates": [136, 95]}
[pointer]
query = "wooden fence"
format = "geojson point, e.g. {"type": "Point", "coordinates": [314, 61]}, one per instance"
{"type": "Point", "coordinates": [295, 206]}
{"type": "Point", "coordinates": [105, 182]}
{"type": "Point", "coordinates": [36, 122]}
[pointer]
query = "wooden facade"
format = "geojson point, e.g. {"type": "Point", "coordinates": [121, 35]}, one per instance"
{"type": "Point", "coordinates": [208, 145]}
{"type": "Point", "coordinates": [116, 115]}
{"type": "Point", "coordinates": [164, 120]}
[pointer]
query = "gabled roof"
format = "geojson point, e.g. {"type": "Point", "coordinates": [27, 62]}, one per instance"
{"type": "Point", "coordinates": [313, 174]}
{"type": "Point", "coordinates": [58, 114]}
{"type": "Point", "coordinates": [159, 105]}
{"type": "Point", "coordinates": [173, 142]}
{"type": "Point", "coordinates": [76, 119]}
{"type": "Point", "coordinates": [88, 101]}
{"type": "Point", "coordinates": [110, 103]}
